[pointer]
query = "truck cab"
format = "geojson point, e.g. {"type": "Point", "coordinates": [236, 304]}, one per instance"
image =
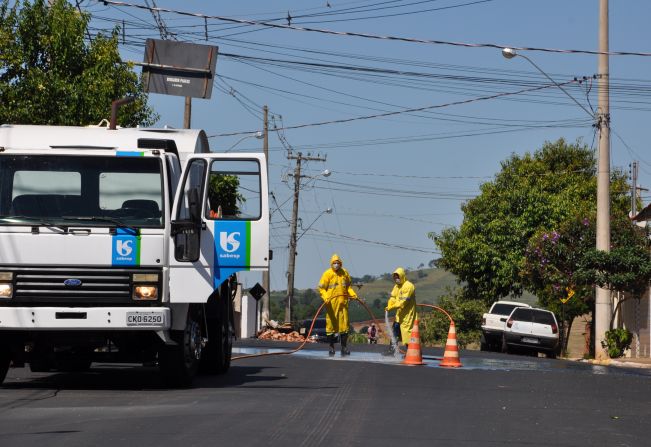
{"type": "Point", "coordinates": [124, 246]}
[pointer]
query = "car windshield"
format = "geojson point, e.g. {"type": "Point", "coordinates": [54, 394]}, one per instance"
{"type": "Point", "coordinates": [68, 190]}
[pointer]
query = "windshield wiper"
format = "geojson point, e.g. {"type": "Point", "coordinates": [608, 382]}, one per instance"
{"type": "Point", "coordinates": [113, 220]}
{"type": "Point", "coordinates": [38, 220]}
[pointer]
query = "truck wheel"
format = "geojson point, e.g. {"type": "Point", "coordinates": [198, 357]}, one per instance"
{"type": "Point", "coordinates": [179, 363]}
{"type": "Point", "coordinates": [5, 360]}
{"type": "Point", "coordinates": [483, 346]}
{"type": "Point", "coordinates": [217, 359]}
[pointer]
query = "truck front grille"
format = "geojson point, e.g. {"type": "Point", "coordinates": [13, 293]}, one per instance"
{"type": "Point", "coordinates": [76, 286]}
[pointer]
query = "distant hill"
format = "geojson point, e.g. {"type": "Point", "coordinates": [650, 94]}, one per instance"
{"type": "Point", "coordinates": [430, 285]}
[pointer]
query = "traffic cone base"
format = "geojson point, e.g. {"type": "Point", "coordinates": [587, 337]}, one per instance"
{"type": "Point", "coordinates": [414, 355]}
{"type": "Point", "coordinates": [451, 354]}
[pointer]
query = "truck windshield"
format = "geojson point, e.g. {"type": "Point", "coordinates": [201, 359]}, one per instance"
{"type": "Point", "coordinates": [66, 190]}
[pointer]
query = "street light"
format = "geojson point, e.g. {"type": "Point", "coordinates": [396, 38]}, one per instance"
{"type": "Point", "coordinates": [510, 53]}
{"type": "Point", "coordinates": [258, 136]}
{"type": "Point", "coordinates": [603, 305]}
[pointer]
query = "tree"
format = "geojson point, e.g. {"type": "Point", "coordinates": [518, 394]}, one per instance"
{"type": "Point", "coordinates": [532, 193]}
{"type": "Point", "coordinates": [564, 264]}
{"type": "Point", "coordinates": [50, 75]}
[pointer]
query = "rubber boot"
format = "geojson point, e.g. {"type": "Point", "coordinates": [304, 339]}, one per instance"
{"type": "Point", "coordinates": [331, 340]}
{"type": "Point", "coordinates": [344, 348]}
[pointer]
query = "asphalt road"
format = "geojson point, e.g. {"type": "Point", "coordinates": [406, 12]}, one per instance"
{"type": "Point", "coordinates": [311, 400]}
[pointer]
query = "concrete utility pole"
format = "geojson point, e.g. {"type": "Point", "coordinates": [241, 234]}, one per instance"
{"type": "Point", "coordinates": [292, 238]}
{"type": "Point", "coordinates": [603, 302]}
{"type": "Point", "coordinates": [634, 172]}
{"type": "Point", "coordinates": [265, 275]}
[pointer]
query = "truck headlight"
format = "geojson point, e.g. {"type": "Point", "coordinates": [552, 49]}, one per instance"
{"type": "Point", "coordinates": [145, 293]}
{"type": "Point", "coordinates": [6, 290]}
{"type": "Point", "coordinates": [6, 285]}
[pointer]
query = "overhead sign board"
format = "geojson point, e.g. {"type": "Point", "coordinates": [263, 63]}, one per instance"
{"type": "Point", "coordinates": [179, 68]}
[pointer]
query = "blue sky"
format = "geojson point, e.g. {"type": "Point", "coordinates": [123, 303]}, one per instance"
{"type": "Point", "coordinates": [396, 178]}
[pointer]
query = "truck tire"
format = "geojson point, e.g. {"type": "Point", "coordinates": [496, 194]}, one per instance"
{"type": "Point", "coordinates": [179, 363]}
{"type": "Point", "coordinates": [5, 361]}
{"type": "Point", "coordinates": [218, 350]}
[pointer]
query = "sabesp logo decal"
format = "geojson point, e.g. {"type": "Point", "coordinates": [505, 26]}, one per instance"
{"type": "Point", "coordinates": [124, 248]}
{"type": "Point", "coordinates": [228, 242]}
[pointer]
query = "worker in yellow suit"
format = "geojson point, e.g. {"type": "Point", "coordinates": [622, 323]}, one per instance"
{"type": "Point", "coordinates": [336, 290]}
{"type": "Point", "coordinates": [403, 298]}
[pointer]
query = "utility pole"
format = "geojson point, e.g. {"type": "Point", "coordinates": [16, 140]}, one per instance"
{"type": "Point", "coordinates": [634, 170]}
{"type": "Point", "coordinates": [292, 238]}
{"type": "Point", "coordinates": [187, 115]}
{"type": "Point", "coordinates": [603, 302]}
{"type": "Point", "coordinates": [265, 274]}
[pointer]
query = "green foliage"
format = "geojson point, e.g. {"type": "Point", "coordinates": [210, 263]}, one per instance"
{"type": "Point", "coordinates": [50, 75]}
{"type": "Point", "coordinates": [435, 326]}
{"type": "Point", "coordinates": [531, 194]}
{"type": "Point", "coordinates": [223, 192]}
{"type": "Point", "coordinates": [617, 341]}
{"type": "Point", "coordinates": [357, 338]}
{"type": "Point", "coordinates": [566, 259]}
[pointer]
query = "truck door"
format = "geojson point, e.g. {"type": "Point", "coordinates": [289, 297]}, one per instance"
{"type": "Point", "coordinates": [220, 223]}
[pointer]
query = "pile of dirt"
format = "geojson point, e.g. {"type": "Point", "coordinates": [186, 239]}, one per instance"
{"type": "Point", "coordinates": [273, 334]}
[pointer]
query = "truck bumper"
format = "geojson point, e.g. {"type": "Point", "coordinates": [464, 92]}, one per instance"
{"type": "Point", "coordinates": [84, 318]}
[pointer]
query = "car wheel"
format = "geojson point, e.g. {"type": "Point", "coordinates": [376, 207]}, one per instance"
{"type": "Point", "coordinates": [551, 354]}
{"type": "Point", "coordinates": [505, 346]}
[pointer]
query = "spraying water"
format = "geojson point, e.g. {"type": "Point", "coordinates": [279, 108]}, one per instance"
{"type": "Point", "coordinates": [394, 342]}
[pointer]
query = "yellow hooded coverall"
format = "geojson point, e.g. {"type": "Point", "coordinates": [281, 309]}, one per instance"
{"type": "Point", "coordinates": [336, 290]}
{"type": "Point", "coordinates": [403, 298]}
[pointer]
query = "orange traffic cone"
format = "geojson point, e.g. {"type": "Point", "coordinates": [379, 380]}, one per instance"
{"type": "Point", "coordinates": [451, 354]}
{"type": "Point", "coordinates": [414, 355]}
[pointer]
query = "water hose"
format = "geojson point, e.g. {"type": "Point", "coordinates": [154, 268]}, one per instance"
{"type": "Point", "coordinates": [307, 336]}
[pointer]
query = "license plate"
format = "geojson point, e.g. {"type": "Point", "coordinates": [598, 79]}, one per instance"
{"type": "Point", "coordinates": [145, 318]}
{"type": "Point", "coordinates": [530, 340]}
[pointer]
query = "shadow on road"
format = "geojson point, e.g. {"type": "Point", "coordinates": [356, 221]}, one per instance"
{"type": "Point", "coordinates": [130, 378]}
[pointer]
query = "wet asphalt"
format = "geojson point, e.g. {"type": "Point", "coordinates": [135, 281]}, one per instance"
{"type": "Point", "coordinates": [311, 399]}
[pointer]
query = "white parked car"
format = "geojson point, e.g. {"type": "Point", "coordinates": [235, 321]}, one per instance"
{"type": "Point", "coordinates": [492, 324]}
{"type": "Point", "coordinates": [531, 330]}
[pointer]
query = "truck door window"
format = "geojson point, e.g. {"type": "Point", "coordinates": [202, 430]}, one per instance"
{"type": "Point", "coordinates": [234, 190]}
{"type": "Point", "coordinates": [190, 205]}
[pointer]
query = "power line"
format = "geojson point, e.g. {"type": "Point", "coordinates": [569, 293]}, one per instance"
{"type": "Point", "coordinates": [375, 36]}
{"type": "Point", "coordinates": [411, 110]}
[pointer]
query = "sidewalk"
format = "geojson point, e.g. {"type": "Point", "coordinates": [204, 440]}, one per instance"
{"type": "Point", "coordinates": [627, 362]}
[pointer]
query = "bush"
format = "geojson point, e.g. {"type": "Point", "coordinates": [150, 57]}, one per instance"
{"type": "Point", "coordinates": [354, 337]}
{"type": "Point", "coordinates": [467, 321]}
{"type": "Point", "coordinates": [617, 341]}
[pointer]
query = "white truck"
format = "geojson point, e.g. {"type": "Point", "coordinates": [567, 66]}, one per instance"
{"type": "Point", "coordinates": [123, 246]}
{"type": "Point", "coordinates": [493, 323]}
